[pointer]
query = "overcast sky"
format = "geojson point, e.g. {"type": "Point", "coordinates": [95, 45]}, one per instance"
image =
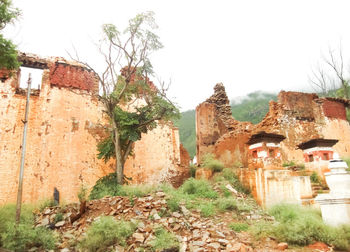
{"type": "Point", "coordinates": [247, 45]}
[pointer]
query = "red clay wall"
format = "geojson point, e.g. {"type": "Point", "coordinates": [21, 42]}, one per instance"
{"type": "Point", "coordinates": [63, 75]}
{"type": "Point", "coordinates": [334, 109]}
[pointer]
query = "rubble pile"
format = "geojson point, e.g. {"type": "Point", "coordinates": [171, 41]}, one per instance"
{"type": "Point", "coordinates": [151, 212]}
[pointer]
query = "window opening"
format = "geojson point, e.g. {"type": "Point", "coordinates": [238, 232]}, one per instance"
{"type": "Point", "coordinates": [271, 153]}
{"type": "Point", "coordinates": [325, 156]}
{"type": "Point", "coordinates": [311, 158]}
{"type": "Point", "coordinates": [37, 75]}
{"type": "Point", "coordinates": [255, 154]}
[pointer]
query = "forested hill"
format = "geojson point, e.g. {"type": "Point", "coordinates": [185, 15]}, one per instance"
{"type": "Point", "coordinates": [252, 108]}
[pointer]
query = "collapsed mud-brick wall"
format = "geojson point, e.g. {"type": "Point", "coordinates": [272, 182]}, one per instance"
{"type": "Point", "coordinates": [213, 120]}
{"type": "Point", "coordinates": [297, 116]}
{"type": "Point", "coordinates": [65, 124]}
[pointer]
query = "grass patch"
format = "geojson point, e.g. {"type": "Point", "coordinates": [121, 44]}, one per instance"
{"type": "Point", "coordinates": [293, 164]}
{"type": "Point", "coordinates": [108, 186]}
{"type": "Point", "coordinates": [239, 226]}
{"type": "Point", "coordinates": [26, 236]}
{"type": "Point", "coordinates": [207, 209]}
{"type": "Point", "coordinates": [199, 188]}
{"type": "Point", "coordinates": [301, 226]}
{"type": "Point", "coordinates": [105, 232]}
{"type": "Point", "coordinates": [164, 240]}
{"type": "Point", "coordinates": [229, 175]}
{"type": "Point", "coordinates": [135, 190]}
{"type": "Point", "coordinates": [211, 163]}
{"type": "Point", "coordinates": [105, 186]}
{"type": "Point", "coordinates": [226, 204]}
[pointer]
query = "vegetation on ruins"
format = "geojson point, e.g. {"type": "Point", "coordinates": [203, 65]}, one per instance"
{"type": "Point", "coordinates": [301, 226]}
{"type": "Point", "coordinates": [132, 102]}
{"type": "Point", "coordinates": [107, 231]}
{"type": "Point", "coordinates": [25, 235]}
{"type": "Point", "coordinates": [297, 225]}
{"type": "Point", "coordinates": [164, 240]}
{"type": "Point", "coordinates": [211, 163]}
{"type": "Point", "coordinates": [8, 53]}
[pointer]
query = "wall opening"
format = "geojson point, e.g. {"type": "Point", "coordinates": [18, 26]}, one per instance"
{"type": "Point", "coordinates": [37, 75]}
{"type": "Point", "coordinates": [311, 158]}
{"type": "Point", "coordinates": [325, 156]}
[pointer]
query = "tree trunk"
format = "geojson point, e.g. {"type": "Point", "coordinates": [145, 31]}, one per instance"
{"type": "Point", "coordinates": [118, 157]}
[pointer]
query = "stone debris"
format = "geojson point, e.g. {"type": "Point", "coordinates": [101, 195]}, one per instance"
{"type": "Point", "coordinates": [194, 232]}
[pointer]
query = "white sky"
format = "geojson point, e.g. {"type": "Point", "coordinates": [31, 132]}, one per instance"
{"type": "Point", "coordinates": [247, 45]}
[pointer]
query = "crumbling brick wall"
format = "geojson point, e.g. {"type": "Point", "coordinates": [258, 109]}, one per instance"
{"type": "Point", "coordinates": [65, 124]}
{"type": "Point", "coordinates": [298, 116]}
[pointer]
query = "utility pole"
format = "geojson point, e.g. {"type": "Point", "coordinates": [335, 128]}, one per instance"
{"type": "Point", "coordinates": [24, 142]}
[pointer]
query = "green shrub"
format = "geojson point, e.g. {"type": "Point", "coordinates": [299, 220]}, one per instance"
{"type": "Point", "coordinates": [105, 186]}
{"type": "Point", "coordinates": [83, 193]}
{"type": "Point", "coordinates": [238, 226]}
{"type": "Point", "coordinates": [105, 232]}
{"type": "Point", "coordinates": [46, 203]}
{"type": "Point", "coordinates": [288, 163]}
{"type": "Point", "coordinates": [7, 217]}
{"type": "Point", "coordinates": [207, 209]}
{"type": "Point", "coordinates": [301, 226]}
{"type": "Point", "coordinates": [193, 170]}
{"type": "Point", "coordinates": [173, 204]}
{"type": "Point", "coordinates": [58, 217]}
{"type": "Point", "coordinates": [315, 178]}
{"type": "Point", "coordinates": [211, 163]}
{"type": "Point", "coordinates": [226, 204]}
{"type": "Point", "coordinates": [164, 240]}
{"type": "Point", "coordinates": [198, 188]}
{"type": "Point", "coordinates": [244, 206]}
{"type": "Point", "coordinates": [231, 177]}
{"type": "Point", "coordinates": [24, 237]}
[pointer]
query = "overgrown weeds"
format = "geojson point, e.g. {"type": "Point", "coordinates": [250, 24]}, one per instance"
{"type": "Point", "coordinates": [25, 236]}
{"type": "Point", "coordinates": [301, 226]}
{"type": "Point", "coordinates": [228, 175]}
{"type": "Point", "coordinates": [239, 226]}
{"type": "Point", "coordinates": [108, 186]}
{"type": "Point", "coordinates": [164, 240]}
{"type": "Point", "coordinates": [105, 232]}
{"type": "Point", "coordinates": [315, 178]}
{"type": "Point", "coordinates": [211, 163]}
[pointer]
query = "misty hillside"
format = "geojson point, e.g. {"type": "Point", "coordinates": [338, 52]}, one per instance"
{"type": "Point", "coordinates": [252, 108]}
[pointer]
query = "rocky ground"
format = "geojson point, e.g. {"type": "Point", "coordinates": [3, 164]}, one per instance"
{"type": "Point", "coordinates": [195, 233]}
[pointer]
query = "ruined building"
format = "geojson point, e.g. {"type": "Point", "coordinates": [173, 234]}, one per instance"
{"type": "Point", "coordinates": [294, 119]}
{"type": "Point", "coordinates": [65, 124]}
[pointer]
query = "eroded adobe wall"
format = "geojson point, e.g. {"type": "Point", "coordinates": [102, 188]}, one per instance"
{"type": "Point", "coordinates": [156, 156]}
{"type": "Point", "coordinates": [213, 120]}
{"type": "Point", "coordinates": [302, 117]}
{"type": "Point", "coordinates": [65, 124]}
{"type": "Point", "coordinates": [63, 131]}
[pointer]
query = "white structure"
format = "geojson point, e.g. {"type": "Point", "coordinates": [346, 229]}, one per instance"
{"type": "Point", "coordinates": [335, 206]}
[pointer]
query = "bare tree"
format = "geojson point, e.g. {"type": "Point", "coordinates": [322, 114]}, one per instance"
{"type": "Point", "coordinates": [331, 74]}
